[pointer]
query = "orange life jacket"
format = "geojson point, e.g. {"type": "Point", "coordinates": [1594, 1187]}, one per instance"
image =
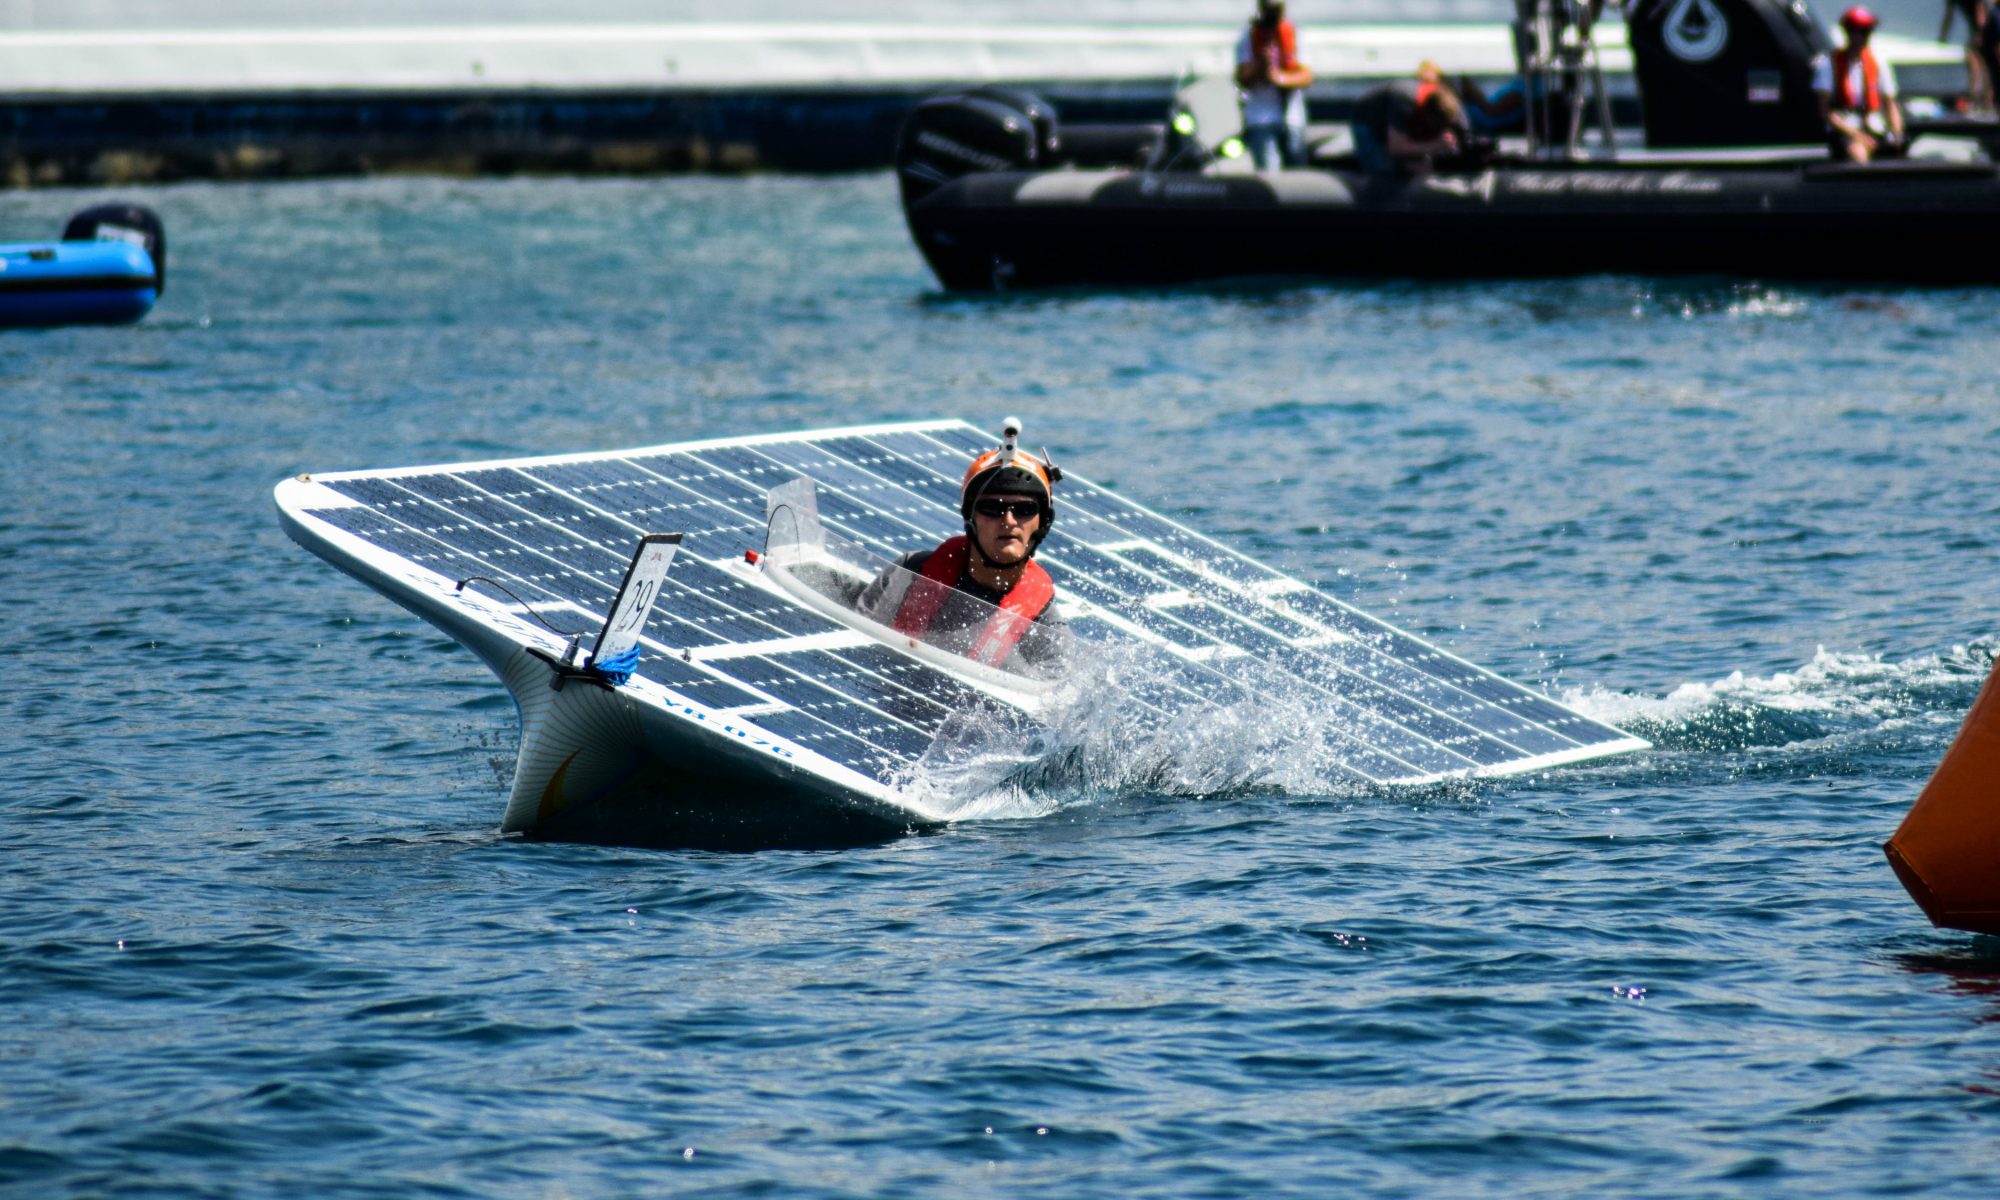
{"type": "Point", "coordinates": [1018, 609]}
{"type": "Point", "coordinates": [1871, 82]}
{"type": "Point", "coordinates": [1263, 39]}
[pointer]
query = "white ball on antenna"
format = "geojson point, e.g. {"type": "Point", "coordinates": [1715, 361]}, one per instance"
{"type": "Point", "coordinates": [1010, 427]}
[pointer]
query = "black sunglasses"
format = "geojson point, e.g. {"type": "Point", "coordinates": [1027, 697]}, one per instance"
{"type": "Point", "coordinates": [1020, 510]}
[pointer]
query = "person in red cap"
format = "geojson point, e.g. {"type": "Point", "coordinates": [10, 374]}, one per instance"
{"type": "Point", "coordinates": [1007, 504]}
{"type": "Point", "coordinates": [1857, 95]}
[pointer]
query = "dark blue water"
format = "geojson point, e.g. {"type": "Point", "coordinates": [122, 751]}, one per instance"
{"type": "Point", "coordinates": [259, 937]}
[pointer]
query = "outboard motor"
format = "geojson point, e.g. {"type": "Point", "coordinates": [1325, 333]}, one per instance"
{"type": "Point", "coordinates": [987, 129]}
{"type": "Point", "coordinates": [1727, 72]}
{"type": "Point", "coordinates": [124, 223]}
{"type": "Point", "coordinates": [1040, 113]}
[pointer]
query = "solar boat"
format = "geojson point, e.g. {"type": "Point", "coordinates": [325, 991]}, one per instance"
{"type": "Point", "coordinates": [736, 690]}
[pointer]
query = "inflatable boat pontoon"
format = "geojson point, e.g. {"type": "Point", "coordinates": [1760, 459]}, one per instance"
{"type": "Point", "coordinates": [108, 269]}
{"type": "Point", "coordinates": [738, 689]}
{"type": "Point", "coordinates": [1733, 177]}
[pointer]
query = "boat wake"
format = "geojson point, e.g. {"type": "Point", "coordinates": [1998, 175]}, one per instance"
{"type": "Point", "coordinates": [1116, 735]}
{"type": "Point", "coordinates": [1834, 695]}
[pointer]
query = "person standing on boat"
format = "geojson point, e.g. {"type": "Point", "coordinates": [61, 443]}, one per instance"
{"type": "Point", "coordinates": [1857, 95]}
{"type": "Point", "coordinates": [1273, 80]}
{"type": "Point", "coordinates": [1404, 122]}
{"type": "Point", "coordinates": [1982, 48]}
{"type": "Point", "coordinates": [1006, 502]}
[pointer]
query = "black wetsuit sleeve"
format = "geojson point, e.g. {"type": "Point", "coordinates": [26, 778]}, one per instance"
{"type": "Point", "coordinates": [874, 597]}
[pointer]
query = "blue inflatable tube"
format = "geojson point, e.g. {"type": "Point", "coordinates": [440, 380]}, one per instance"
{"type": "Point", "coordinates": [109, 269]}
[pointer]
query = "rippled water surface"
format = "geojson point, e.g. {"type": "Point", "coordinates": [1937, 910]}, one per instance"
{"type": "Point", "coordinates": [259, 936]}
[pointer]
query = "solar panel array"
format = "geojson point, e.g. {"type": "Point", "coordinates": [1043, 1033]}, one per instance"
{"type": "Point", "coordinates": [558, 532]}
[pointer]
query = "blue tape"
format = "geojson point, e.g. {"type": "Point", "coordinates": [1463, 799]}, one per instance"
{"type": "Point", "coordinates": [617, 670]}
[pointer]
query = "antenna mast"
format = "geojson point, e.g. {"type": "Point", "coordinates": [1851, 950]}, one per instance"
{"type": "Point", "coordinates": [1555, 47]}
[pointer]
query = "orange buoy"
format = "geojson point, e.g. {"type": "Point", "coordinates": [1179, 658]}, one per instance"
{"type": "Point", "coordinates": [1947, 850]}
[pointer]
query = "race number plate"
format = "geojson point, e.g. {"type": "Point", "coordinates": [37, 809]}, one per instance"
{"type": "Point", "coordinates": [617, 650]}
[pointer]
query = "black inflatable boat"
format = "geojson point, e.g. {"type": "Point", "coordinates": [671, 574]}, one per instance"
{"type": "Point", "coordinates": [1734, 177]}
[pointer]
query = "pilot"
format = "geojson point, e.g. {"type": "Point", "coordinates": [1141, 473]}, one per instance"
{"type": "Point", "coordinates": [1006, 503]}
{"type": "Point", "coordinates": [1857, 95]}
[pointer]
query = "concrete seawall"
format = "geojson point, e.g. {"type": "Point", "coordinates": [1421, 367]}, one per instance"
{"type": "Point", "coordinates": [97, 106]}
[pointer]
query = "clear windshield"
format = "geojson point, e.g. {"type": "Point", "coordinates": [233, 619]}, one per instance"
{"type": "Point", "coordinates": [897, 604]}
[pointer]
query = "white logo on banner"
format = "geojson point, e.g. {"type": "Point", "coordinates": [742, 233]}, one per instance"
{"type": "Point", "coordinates": [1696, 31]}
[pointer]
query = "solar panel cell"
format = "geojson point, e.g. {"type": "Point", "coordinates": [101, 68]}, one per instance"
{"type": "Point", "coordinates": [915, 677]}
{"type": "Point", "coordinates": [376, 493]}
{"type": "Point", "coordinates": [835, 743]}
{"type": "Point", "coordinates": [776, 677]}
{"type": "Point", "coordinates": [703, 687]}
{"type": "Point", "coordinates": [378, 529]}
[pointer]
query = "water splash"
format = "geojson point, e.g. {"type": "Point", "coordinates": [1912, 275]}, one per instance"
{"type": "Point", "coordinates": [1130, 721]}
{"type": "Point", "coordinates": [1737, 301]}
{"type": "Point", "coordinates": [1833, 694]}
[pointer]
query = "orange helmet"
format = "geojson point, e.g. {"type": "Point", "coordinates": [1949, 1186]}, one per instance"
{"type": "Point", "coordinates": [1858, 20]}
{"type": "Point", "coordinates": [1014, 472]}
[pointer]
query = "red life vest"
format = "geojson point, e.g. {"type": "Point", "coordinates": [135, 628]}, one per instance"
{"type": "Point", "coordinates": [1264, 38]}
{"type": "Point", "coordinates": [1871, 82]}
{"type": "Point", "coordinates": [1018, 609]}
